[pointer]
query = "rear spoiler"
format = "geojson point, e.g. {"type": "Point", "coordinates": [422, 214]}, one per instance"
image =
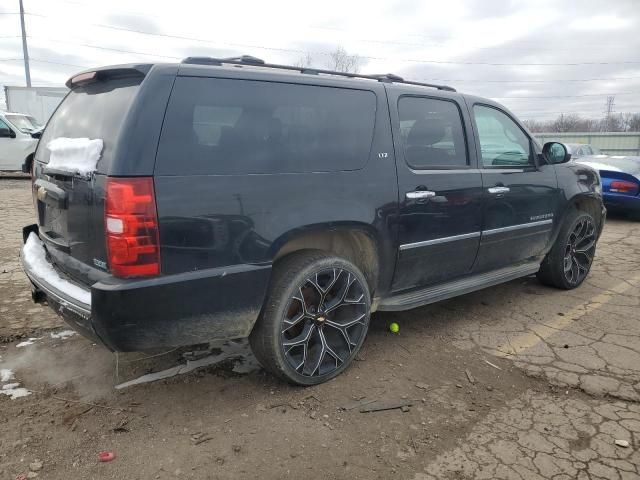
{"type": "Point", "coordinates": [104, 73]}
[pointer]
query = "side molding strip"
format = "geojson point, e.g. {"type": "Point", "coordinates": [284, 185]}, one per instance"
{"type": "Point", "coordinates": [436, 241]}
{"type": "Point", "coordinates": [510, 228]}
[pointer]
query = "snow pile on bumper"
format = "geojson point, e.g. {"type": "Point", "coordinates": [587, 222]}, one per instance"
{"type": "Point", "coordinates": [34, 257]}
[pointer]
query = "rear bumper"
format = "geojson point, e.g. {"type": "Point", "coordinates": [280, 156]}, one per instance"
{"type": "Point", "coordinates": [616, 201]}
{"type": "Point", "coordinates": [165, 311]}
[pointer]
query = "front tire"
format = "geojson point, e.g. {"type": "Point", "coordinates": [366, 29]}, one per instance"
{"type": "Point", "coordinates": [570, 259]}
{"type": "Point", "coordinates": [315, 318]}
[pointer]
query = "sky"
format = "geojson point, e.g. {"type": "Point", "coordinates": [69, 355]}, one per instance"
{"type": "Point", "coordinates": [539, 58]}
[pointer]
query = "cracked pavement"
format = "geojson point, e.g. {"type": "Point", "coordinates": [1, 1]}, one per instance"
{"type": "Point", "coordinates": [587, 338]}
{"type": "Point", "coordinates": [518, 381]}
{"type": "Point", "coordinates": [533, 438]}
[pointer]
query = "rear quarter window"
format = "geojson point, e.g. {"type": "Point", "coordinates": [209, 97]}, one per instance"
{"type": "Point", "coordinates": [222, 126]}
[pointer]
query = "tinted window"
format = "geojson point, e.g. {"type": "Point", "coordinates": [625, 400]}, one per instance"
{"type": "Point", "coordinates": [431, 132]}
{"type": "Point", "coordinates": [502, 142]}
{"type": "Point", "coordinates": [96, 110]}
{"type": "Point", "coordinates": [222, 126]}
{"type": "Point", "coordinates": [4, 126]}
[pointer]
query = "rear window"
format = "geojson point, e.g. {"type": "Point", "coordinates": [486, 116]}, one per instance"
{"type": "Point", "coordinates": [96, 110]}
{"type": "Point", "coordinates": [432, 133]}
{"type": "Point", "coordinates": [222, 126]}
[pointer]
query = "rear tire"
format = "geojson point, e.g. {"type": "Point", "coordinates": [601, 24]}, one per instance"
{"type": "Point", "coordinates": [569, 261]}
{"type": "Point", "coordinates": [315, 318]}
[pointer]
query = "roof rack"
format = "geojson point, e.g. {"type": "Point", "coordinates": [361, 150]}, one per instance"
{"type": "Point", "coordinates": [254, 61]}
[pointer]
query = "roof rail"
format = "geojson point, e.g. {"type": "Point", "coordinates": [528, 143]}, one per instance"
{"type": "Point", "coordinates": [254, 61]}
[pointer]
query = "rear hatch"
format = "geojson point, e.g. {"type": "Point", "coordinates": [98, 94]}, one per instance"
{"type": "Point", "coordinates": [70, 200]}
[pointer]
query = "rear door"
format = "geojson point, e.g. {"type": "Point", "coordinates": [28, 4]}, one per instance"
{"type": "Point", "coordinates": [70, 205]}
{"type": "Point", "coordinates": [521, 195]}
{"type": "Point", "coordinates": [439, 187]}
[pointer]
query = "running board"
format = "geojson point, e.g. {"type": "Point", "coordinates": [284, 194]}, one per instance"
{"type": "Point", "coordinates": [418, 298]}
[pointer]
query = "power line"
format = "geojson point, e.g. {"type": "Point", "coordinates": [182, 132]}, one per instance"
{"type": "Point", "coordinates": [567, 96]}
{"type": "Point", "coordinates": [528, 81]}
{"type": "Point", "coordinates": [424, 79]}
{"type": "Point", "coordinates": [290, 50]}
{"type": "Point", "coordinates": [106, 48]}
{"type": "Point", "coordinates": [44, 61]}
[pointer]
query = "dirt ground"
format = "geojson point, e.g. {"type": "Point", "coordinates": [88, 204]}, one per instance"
{"type": "Point", "coordinates": [518, 381]}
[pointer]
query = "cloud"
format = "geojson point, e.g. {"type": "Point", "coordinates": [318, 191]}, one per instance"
{"type": "Point", "coordinates": [600, 22]}
{"type": "Point", "coordinates": [406, 37]}
{"type": "Point", "coordinates": [134, 22]}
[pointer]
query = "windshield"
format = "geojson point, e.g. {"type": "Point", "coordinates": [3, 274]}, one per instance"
{"type": "Point", "coordinates": [24, 123]}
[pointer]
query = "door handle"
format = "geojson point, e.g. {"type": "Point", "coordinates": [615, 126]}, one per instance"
{"type": "Point", "coordinates": [419, 194]}
{"type": "Point", "coordinates": [497, 190]}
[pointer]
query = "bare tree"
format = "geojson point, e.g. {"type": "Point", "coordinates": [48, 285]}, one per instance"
{"type": "Point", "coordinates": [634, 123]}
{"type": "Point", "coordinates": [627, 122]}
{"type": "Point", "coordinates": [304, 61]}
{"type": "Point", "coordinates": [341, 61]}
{"type": "Point", "coordinates": [566, 123]}
{"type": "Point", "coordinates": [533, 125]}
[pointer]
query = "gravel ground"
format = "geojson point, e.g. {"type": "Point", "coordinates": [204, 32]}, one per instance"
{"type": "Point", "coordinates": [518, 381]}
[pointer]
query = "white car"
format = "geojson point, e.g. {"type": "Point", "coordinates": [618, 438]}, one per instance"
{"type": "Point", "coordinates": [18, 139]}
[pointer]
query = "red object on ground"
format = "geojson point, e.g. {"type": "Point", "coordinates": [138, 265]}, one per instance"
{"type": "Point", "coordinates": [22, 476]}
{"type": "Point", "coordinates": [106, 456]}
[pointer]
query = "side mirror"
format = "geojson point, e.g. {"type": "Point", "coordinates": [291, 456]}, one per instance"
{"type": "Point", "coordinates": [556, 152]}
{"type": "Point", "coordinates": [7, 133]}
{"type": "Point", "coordinates": [37, 134]}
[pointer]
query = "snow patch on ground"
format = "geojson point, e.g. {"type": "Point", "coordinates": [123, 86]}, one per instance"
{"type": "Point", "coordinates": [6, 375]}
{"type": "Point", "coordinates": [26, 343]}
{"type": "Point", "coordinates": [240, 350]}
{"type": "Point", "coordinates": [14, 390]}
{"type": "Point", "coordinates": [34, 256]}
{"type": "Point", "coordinates": [63, 334]}
{"type": "Point", "coordinates": [78, 156]}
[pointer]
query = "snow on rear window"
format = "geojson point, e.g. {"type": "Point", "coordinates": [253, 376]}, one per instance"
{"type": "Point", "coordinates": [78, 156]}
{"type": "Point", "coordinates": [34, 256]}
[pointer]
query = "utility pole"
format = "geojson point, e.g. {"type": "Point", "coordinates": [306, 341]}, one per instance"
{"type": "Point", "coordinates": [25, 51]}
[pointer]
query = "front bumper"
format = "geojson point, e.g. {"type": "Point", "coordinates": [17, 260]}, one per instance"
{"type": "Point", "coordinates": [164, 311]}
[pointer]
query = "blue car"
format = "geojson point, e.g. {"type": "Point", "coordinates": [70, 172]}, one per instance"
{"type": "Point", "coordinates": [620, 181]}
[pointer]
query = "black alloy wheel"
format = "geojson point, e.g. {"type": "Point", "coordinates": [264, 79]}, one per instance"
{"type": "Point", "coordinates": [315, 318]}
{"type": "Point", "coordinates": [579, 251]}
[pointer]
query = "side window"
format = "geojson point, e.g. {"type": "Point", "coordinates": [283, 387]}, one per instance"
{"type": "Point", "coordinates": [502, 142]}
{"type": "Point", "coordinates": [587, 150]}
{"type": "Point", "coordinates": [223, 126]}
{"type": "Point", "coordinates": [432, 133]}
{"type": "Point", "coordinates": [3, 125]}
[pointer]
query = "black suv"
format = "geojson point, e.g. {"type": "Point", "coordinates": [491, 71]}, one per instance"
{"type": "Point", "coordinates": [225, 198]}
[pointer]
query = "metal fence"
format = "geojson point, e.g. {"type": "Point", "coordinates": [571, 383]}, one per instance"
{"type": "Point", "coordinates": [610, 143]}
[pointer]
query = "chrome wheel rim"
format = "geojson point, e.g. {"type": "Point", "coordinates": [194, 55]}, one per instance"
{"type": "Point", "coordinates": [325, 321]}
{"type": "Point", "coordinates": [579, 251]}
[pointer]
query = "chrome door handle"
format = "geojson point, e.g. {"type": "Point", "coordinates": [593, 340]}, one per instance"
{"type": "Point", "coordinates": [496, 190]}
{"type": "Point", "coordinates": [420, 194]}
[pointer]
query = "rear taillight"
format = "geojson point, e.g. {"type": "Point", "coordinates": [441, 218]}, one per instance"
{"type": "Point", "coordinates": [623, 186]}
{"type": "Point", "coordinates": [131, 227]}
